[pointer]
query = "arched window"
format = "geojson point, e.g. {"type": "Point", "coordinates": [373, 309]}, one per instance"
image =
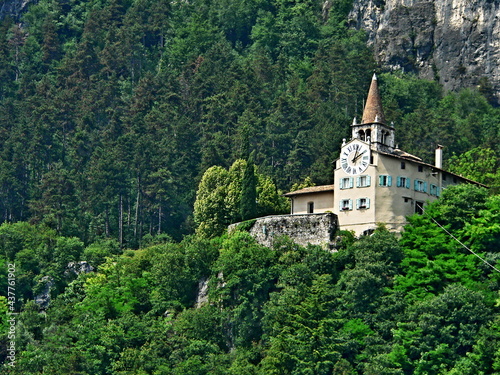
{"type": "Point", "coordinates": [368, 134]}
{"type": "Point", "coordinates": [384, 137]}
{"type": "Point", "coordinates": [361, 135]}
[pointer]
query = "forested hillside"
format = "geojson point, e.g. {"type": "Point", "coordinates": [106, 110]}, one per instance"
{"type": "Point", "coordinates": [117, 115]}
{"type": "Point", "coordinates": [111, 111]}
{"type": "Point", "coordinates": [421, 304]}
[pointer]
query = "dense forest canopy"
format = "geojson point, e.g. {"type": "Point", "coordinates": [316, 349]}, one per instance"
{"type": "Point", "coordinates": [380, 305]}
{"type": "Point", "coordinates": [131, 124]}
{"type": "Point", "coordinates": [111, 111]}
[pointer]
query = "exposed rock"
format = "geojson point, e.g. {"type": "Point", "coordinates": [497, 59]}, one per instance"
{"type": "Point", "coordinates": [202, 295]}
{"type": "Point", "coordinates": [43, 299]}
{"type": "Point", "coordinates": [315, 229]}
{"type": "Point", "coordinates": [455, 41]}
{"type": "Point", "coordinates": [79, 267]}
{"type": "Point", "coordinates": [13, 8]}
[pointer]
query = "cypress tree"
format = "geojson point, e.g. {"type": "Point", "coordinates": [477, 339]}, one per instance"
{"type": "Point", "coordinates": [248, 202]}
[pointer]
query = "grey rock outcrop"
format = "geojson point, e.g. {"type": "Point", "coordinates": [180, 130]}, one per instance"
{"type": "Point", "coordinates": [454, 41]}
{"type": "Point", "coordinates": [43, 298]}
{"type": "Point", "coordinates": [13, 8]}
{"type": "Point", "coordinates": [314, 229]}
{"type": "Point", "coordinates": [78, 267]}
{"type": "Point", "coordinates": [202, 295]}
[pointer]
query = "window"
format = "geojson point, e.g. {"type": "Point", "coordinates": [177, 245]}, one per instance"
{"type": "Point", "coordinates": [346, 182]}
{"type": "Point", "coordinates": [371, 159]}
{"type": "Point", "coordinates": [385, 180]}
{"type": "Point", "coordinates": [368, 134]}
{"type": "Point", "coordinates": [420, 168]}
{"type": "Point", "coordinates": [362, 203]}
{"type": "Point", "coordinates": [444, 176]}
{"type": "Point", "coordinates": [384, 137]}
{"type": "Point", "coordinates": [419, 208]}
{"type": "Point", "coordinates": [434, 190]}
{"type": "Point", "coordinates": [310, 207]}
{"type": "Point", "coordinates": [421, 186]}
{"type": "Point", "coordinates": [345, 205]}
{"type": "Point", "coordinates": [403, 165]}
{"type": "Point", "coordinates": [363, 181]}
{"type": "Point", "coordinates": [403, 182]}
{"type": "Point", "coordinates": [361, 135]}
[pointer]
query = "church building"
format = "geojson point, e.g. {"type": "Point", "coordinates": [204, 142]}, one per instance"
{"type": "Point", "coordinates": [374, 181]}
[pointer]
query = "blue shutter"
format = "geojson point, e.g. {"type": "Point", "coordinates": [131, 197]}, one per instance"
{"type": "Point", "coordinates": [341, 183]}
{"type": "Point", "coordinates": [368, 180]}
{"type": "Point", "coordinates": [415, 185]}
{"type": "Point", "coordinates": [425, 187]}
{"type": "Point", "coordinates": [381, 180]}
{"type": "Point", "coordinates": [358, 181]}
{"type": "Point", "coordinates": [340, 206]}
{"type": "Point", "coordinates": [350, 204]}
{"type": "Point", "coordinates": [407, 182]}
{"type": "Point", "coordinates": [438, 191]}
{"type": "Point", "coordinates": [399, 181]}
{"type": "Point", "coordinates": [367, 202]}
{"type": "Point", "coordinates": [351, 182]}
{"type": "Point", "coordinates": [389, 180]}
{"type": "Point", "coordinates": [358, 203]}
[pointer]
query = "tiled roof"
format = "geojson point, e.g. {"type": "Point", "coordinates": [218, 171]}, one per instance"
{"type": "Point", "coordinates": [373, 111]}
{"type": "Point", "coordinates": [312, 189]}
{"type": "Point", "coordinates": [405, 156]}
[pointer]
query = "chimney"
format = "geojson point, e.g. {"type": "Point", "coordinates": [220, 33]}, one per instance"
{"type": "Point", "coordinates": [439, 157]}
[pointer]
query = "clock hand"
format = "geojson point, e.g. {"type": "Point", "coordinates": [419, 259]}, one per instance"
{"type": "Point", "coordinates": [355, 156]}
{"type": "Point", "coordinates": [358, 156]}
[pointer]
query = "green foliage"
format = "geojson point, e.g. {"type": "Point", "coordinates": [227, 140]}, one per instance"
{"type": "Point", "coordinates": [223, 197]}
{"type": "Point", "coordinates": [478, 164]}
{"type": "Point", "coordinates": [112, 114]}
{"type": "Point", "coordinates": [248, 201]}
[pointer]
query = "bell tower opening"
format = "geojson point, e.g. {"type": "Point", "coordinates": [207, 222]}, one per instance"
{"type": "Point", "coordinates": [361, 135]}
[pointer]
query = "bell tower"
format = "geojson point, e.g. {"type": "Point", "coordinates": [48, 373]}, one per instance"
{"type": "Point", "coordinates": [373, 127]}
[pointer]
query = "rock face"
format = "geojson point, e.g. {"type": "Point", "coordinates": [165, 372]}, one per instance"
{"type": "Point", "coordinates": [202, 295]}
{"type": "Point", "coordinates": [455, 41]}
{"type": "Point", "coordinates": [43, 298]}
{"type": "Point", "coordinates": [78, 267]}
{"type": "Point", "coordinates": [13, 8]}
{"type": "Point", "coordinates": [315, 229]}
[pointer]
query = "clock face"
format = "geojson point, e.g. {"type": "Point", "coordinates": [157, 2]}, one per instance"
{"type": "Point", "coordinates": [355, 158]}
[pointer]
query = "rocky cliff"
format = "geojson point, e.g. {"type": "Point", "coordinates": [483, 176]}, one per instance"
{"type": "Point", "coordinates": [454, 41]}
{"type": "Point", "coordinates": [13, 8]}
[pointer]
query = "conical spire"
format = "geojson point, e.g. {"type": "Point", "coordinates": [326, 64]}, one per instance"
{"type": "Point", "coordinates": [373, 109]}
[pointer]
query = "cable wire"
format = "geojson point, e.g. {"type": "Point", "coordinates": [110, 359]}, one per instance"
{"type": "Point", "coordinates": [460, 242]}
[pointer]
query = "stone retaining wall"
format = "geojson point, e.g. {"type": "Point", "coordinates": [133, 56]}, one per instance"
{"type": "Point", "coordinates": [315, 229]}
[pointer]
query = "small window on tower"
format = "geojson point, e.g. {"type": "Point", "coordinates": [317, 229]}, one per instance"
{"type": "Point", "coordinates": [403, 165]}
{"type": "Point", "coordinates": [420, 168]}
{"type": "Point", "coordinates": [310, 207]}
{"type": "Point", "coordinates": [361, 135]}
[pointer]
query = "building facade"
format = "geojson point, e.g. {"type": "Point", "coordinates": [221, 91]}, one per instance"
{"type": "Point", "coordinates": [374, 181]}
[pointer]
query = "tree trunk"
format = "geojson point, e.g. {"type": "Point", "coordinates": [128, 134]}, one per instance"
{"type": "Point", "coordinates": [136, 220]}
{"type": "Point", "coordinates": [159, 220]}
{"type": "Point", "coordinates": [120, 222]}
